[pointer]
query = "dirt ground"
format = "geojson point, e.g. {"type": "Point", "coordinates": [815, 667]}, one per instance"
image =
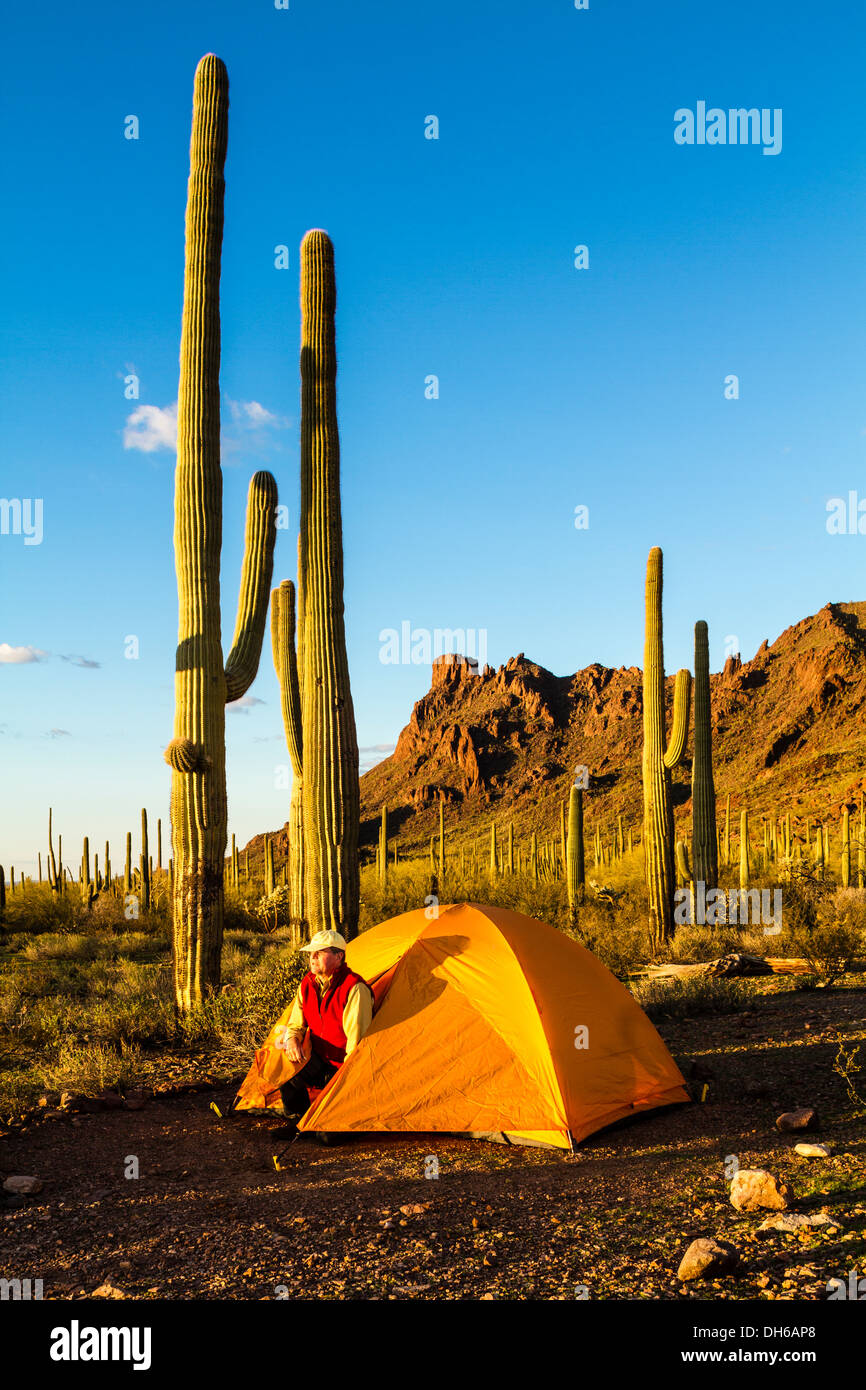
{"type": "Point", "coordinates": [209, 1216]}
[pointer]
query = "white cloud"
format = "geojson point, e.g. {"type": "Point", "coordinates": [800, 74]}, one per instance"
{"type": "Point", "coordinates": [252, 415]}
{"type": "Point", "coordinates": [244, 704]}
{"type": "Point", "coordinates": [151, 427]}
{"type": "Point", "coordinates": [15, 656]}
{"type": "Point", "coordinates": [58, 733]}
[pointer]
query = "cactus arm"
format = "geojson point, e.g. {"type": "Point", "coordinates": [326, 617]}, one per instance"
{"type": "Point", "coordinates": [256, 571]}
{"type": "Point", "coordinates": [680, 727]}
{"type": "Point", "coordinates": [286, 665]}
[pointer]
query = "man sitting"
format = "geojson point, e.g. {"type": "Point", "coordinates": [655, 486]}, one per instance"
{"type": "Point", "coordinates": [336, 1005]}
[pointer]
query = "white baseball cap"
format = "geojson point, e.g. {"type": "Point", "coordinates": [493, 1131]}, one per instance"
{"type": "Point", "coordinates": [325, 939]}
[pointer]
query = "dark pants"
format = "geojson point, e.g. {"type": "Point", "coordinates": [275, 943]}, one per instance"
{"type": "Point", "coordinates": [317, 1073]}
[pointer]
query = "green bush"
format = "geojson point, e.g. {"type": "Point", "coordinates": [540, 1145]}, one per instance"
{"type": "Point", "coordinates": [687, 996]}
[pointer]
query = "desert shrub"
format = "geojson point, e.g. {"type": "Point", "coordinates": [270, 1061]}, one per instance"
{"type": "Point", "coordinates": [695, 943]}
{"type": "Point", "coordinates": [827, 926]}
{"type": "Point", "coordinates": [242, 1013]}
{"type": "Point", "coordinates": [87, 1069]}
{"type": "Point", "coordinates": [618, 936]}
{"type": "Point", "coordinates": [37, 909]}
{"type": "Point", "coordinates": [687, 996]}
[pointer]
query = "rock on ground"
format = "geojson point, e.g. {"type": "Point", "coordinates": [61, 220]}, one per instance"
{"type": "Point", "coordinates": [707, 1258]}
{"type": "Point", "coordinates": [794, 1120]}
{"type": "Point", "coordinates": [793, 1221]}
{"type": "Point", "coordinates": [22, 1186]}
{"type": "Point", "coordinates": [755, 1188]}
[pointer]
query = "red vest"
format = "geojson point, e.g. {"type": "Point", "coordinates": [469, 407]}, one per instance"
{"type": "Point", "coordinates": [323, 1013]}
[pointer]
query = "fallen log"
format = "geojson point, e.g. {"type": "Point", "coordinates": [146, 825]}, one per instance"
{"type": "Point", "coordinates": [778, 965]}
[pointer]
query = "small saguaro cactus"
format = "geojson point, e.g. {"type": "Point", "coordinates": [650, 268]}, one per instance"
{"type": "Point", "coordinates": [383, 847]}
{"type": "Point", "coordinates": [819, 853]}
{"type": "Point", "coordinates": [493, 858]}
{"type": "Point", "coordinates": [574, 849]}
{"type": "Point", "coordinates": [744, 848]}
{"type": "Point", "coordinates": [270, 883]}
{"type": "Point", "coordinates": [511, 846]}
{"type": "Point", "coordinates": [861, 845]}
{"type": "Point", "coordinates": [703, 788]}
{"type": "Point", "coordinates": [442, 841]}
{"type": "Point", "coordinates": [53, 877]}
{"type": "Point", "coordinates": [204, 679]}
{"type": "Point", "coordinates": [533, 856]}
{"type": "Point", "coordinates": [659, 758]}
{"type": "Point", "coordinates": [127, 877]}
{"type": "Point", "coordinates": [144, 865]}
{"type": "Point", "coordinates": [727, 839]}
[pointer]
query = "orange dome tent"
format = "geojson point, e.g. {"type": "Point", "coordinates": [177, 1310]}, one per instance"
{"type": "Point", "coordinates": [489, 1024]}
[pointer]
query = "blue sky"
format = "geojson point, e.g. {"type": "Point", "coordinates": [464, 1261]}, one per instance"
{"type": "Point", "coordinates": [559, 387]}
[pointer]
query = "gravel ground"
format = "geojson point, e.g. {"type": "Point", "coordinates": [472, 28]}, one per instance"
{"type": "Point", "coordinates": [209, 1216]}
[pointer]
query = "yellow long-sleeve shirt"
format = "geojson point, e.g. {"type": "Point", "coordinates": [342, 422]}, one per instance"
{"type": "Point", "coordinates": [357, 1013]}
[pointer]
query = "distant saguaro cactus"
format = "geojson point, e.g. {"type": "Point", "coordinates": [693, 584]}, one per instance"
{"type": "Point", "coordinates": [704, 842]}
{"type": "Point", "coordinates": [332, 798]}
{"type": "Point", "coordinates": [574, 849]}
{"type": "Point", "coordinates": [442, 841]}
{"type": "Point", "coordinates": [744, 848]}
{"type": "Point", "coordinates": [659, 758]}
{"type": "Point", "coordinates": [204, 680]}
{"type": "Point", "coordinates": [383, 847]}
{"type": "Point", "coordinates": [144, 864]}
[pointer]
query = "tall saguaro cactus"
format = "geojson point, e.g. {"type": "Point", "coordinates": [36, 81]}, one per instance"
{"type": "Point", "coordinates": [659, 758]}
{"type": "Point", "coordinates": [286, 665]}
{"type": "Point", "coordinates": [332, 798]}
{"type": "Point", "coordinates": [705, 845]}
{"type": "Point", "coordinates": [204, 681]}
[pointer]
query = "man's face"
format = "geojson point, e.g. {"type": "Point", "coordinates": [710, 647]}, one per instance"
{"type": "Point", "coordinates": [325, 962]}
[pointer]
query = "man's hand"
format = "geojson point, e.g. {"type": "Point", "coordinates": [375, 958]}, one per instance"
{"type": "Point", "coordinates": [290, 1044]}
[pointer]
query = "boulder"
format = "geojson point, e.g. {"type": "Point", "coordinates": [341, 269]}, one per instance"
{"type": "Point", "coordinates": [754, 1188]}
{"type": "Point", "coordinates": [22, 1186]}
{"type": "Point", "coordinates": [794, 1121]}
{"type": "Point", "coordinates": [707, 1258]}
{"type": "Point", "coordinates": [812, 1150]}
